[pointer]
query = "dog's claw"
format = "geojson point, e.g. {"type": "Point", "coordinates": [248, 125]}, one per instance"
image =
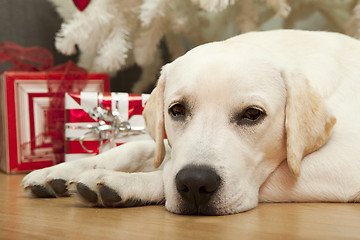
{"type": "Point", "coordinates": [59, 186]}
{"type": "Point", "coordinates": [108, 196]}
{"type": "Point", "coordinates": [86, 193]}
{"type": "Point", "coordinates": [40, 192]}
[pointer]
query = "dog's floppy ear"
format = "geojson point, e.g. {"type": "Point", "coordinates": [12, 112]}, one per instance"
{"type": "Point", "coordinates": [154, 118]}
{"type": "Point", "coordinates": [308, 123]}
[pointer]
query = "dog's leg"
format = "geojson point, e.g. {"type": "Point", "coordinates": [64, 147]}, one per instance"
{"type": "Point", "coordinates": [325, 180]}
{"type": "Point", "coordinates": [101, 187]}
{"type": "Point", "coordinates": [51, 181]}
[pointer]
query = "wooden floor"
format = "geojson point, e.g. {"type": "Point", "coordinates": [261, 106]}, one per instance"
{"type": "Point", "coordinates": [26, 218]}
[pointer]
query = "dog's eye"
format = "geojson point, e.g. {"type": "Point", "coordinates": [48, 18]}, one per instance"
{"type": "Point", "coordinates": [177, 110]}
{"type": "Point", "coordinates": [252, 114]}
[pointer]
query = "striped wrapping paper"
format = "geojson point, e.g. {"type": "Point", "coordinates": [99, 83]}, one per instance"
{"type": "Point", "coordinates": [89, 113]}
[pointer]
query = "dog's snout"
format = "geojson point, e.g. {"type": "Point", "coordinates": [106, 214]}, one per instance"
{"type": "Point", "coordinates": [196, 184]}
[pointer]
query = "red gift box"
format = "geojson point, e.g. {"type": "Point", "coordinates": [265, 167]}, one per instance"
{"type": "Point", "coordinates": [96, 122]}
{"type": "Point", "coordinates": [31, 119]}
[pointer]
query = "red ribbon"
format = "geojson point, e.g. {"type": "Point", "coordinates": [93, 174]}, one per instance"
{"type": "Point", "coordinates": [25, 59]}
{"type": "Point", "coordinates": [72, 79]}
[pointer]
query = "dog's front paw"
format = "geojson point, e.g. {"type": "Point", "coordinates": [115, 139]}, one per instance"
{"type": "Point", "coordinates": [113, 189]}
{"type": "Point", "coordinates": [49, 182]}
{"type": "Point", "coordinates": [105, 196]}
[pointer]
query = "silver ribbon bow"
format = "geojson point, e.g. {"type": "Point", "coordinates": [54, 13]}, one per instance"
{"type": "Point", "coordinates": [110, 127]}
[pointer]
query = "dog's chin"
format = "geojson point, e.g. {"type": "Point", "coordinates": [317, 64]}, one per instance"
{"type": "Point", "coordinates": [184, 208]}
{"type": "Point", "coordinates": [189, 209]}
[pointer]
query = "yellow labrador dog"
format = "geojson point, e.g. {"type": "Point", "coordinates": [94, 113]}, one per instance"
{"type": "Point", "coordinates": [261, 117]}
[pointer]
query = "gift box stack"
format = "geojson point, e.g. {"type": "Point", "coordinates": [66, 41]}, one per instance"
{"type": "Point", "coordinates": [37, 100]}
{"type": "Point", "coordinates": [32, 124]}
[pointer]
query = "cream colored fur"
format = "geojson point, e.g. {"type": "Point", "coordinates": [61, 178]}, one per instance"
{"type": "Point", "coordinates": [305, 148]}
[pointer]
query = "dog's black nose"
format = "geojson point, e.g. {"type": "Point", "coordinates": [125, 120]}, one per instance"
{"type": "Point", "coordinates": [196, 184]}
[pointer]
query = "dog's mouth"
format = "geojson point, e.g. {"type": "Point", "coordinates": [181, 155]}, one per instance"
{"type": "Point", "coordinates": [200, 210]}
{"type": "Point", "coordinates": [212, 209]}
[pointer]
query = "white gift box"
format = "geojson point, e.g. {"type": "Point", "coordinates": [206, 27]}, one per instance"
{"type": "Point", "coordinates": [96, 122]}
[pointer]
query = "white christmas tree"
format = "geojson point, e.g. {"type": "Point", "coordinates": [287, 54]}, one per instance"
{"type": "Point", "coordinates": [114, 34]}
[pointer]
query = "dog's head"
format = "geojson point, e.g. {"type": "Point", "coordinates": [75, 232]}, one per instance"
{"type": "Point", "coordinates": [231, 117]}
